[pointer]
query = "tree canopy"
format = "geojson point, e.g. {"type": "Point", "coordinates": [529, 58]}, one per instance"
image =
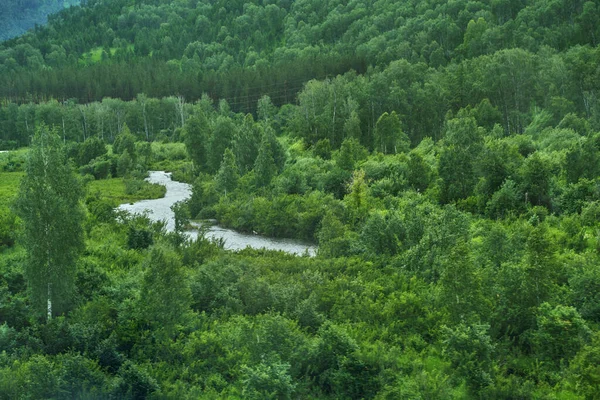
{"type": "Point", "coordinates": [442, 156]}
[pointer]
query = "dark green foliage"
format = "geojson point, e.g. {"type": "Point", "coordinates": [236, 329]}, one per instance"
{"type": "Point", "coordinates": [323, 149]}
{"type": "Point", "coordinates": [99, 169]}
{"type": "Point", "coordinates": [164, 295]}
{"type": "Point", "coordinates": [124, 164]}
{"type": "Point", "coordinates": [196, 140]}
{"type": "Point", "coordinates": [443, 155]}
{"type": "Point", "coordinates": [214, 287]}
{"type": "Point", "coordinates": [81, 377]}
{"type": "Point", "coordinates": [560, 333]}
{"type": "Point", "coordinates": [586, 294]}
{"type": "Point", "coordinates": [507, 201]}
{"type": "Point", "coordinates": [134, 383]}
{"type": "Point", "coordinates": [90, 149]}
{"type": "Point", "coordinates": [349, 154]}
{"type": "Point", "coordinates": [333, 237]}
{"type": "Point", "coordinates": [585, 368]}
{"type": "Point", "coordinates": [204, 195]}
{"type": "Point", "coordinates": [227, 177]}
{"type": "Point", "coordinates": [221, 139]}
{"type": "Point", "coordinates": [268, 380]}
{"type": "Point", "coordinates": [246, 144]}
{"type": "Point", "coordinates": [461, 285]}
{"type": "Point", "coordinates": [124, 143]}
{"type": "Point", "coordinates": [383, 234]}
{"type": "Point", "coordinates": [327, 357]}
{"type": "Point", "coordinates": [582, 162]}
{"type": "Point", "coordinates": [419, 172]}
{"type": "Point", "coordinates": [140, 234]}
{"type": "Point", "coordinates": [265, 167]}
{"type": "Point", "coordinates": [536, 181]}
{"type": "Point", "coordinates": [139, 238]}
{"type": "Point", "coordinates": [8, 227]}
{"type": "Point", "coordinates": [336, 182]}
{"type": "Point", "coordinates": [471, 351]}
{"type": "Point", "coordinates": [463, 145]}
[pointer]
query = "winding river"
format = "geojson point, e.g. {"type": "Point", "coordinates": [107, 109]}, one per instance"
{"type": "Point", "coordinates": [160, 209]}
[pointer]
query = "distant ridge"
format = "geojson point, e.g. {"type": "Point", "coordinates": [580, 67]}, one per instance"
{"type": "Point", "coordinates": [17, 16]}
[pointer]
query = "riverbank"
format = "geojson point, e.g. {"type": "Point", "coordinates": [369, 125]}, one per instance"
{"type": "Point", "coordinates": [160, 209]}
{"type": "Point", "coordinates": [118, 191]}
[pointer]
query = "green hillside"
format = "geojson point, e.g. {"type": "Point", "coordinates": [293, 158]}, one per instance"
{"type": "Point", "coordinates": [18, 16]}
{"type": "Point", "coordinates": [443, 155]}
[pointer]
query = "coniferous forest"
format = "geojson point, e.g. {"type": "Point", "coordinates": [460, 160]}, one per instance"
{"type": "Point", "coordinates": [444, 156]}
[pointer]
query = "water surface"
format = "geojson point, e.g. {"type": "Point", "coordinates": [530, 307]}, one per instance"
{"type": "Point", "coordinates": [160, 209]}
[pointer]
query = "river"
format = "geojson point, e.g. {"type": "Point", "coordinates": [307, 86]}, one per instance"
{"type": "Point", "coordinates": [160, 209]}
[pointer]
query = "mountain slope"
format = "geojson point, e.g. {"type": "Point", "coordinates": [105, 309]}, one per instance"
{"type": "Point", "coordinates": [18, 16]}
{"type": "Point", "coordinates": [232, 49]}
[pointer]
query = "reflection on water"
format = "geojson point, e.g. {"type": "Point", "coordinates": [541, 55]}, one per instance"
{"type": "Point", "coordinates": [160, 209]}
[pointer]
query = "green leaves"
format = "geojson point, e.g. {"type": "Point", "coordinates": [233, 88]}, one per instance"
{"type": "Point", "coordinates": [560, 333]}
{"type": "Point", "coordinates": [471, 351]}
{"type": "Point", "coordinates": [196, 135]}
{"type": "Point", "coordinates": [49, 205]}
{"type": "Point", "coordinates": [165, 296]}
{"type": "Point", "coordinates": [389, 138]}
{"type": "Point", "coordinates": [227, 177]}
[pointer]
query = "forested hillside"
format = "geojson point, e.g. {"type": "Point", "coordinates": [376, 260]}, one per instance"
{"type": "Point", "coordinates": [444, 156]}
{"type": "Point", "coordinates": [18, 16]}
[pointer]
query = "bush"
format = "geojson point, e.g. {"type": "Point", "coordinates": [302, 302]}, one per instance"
{"type": "Point", "coordinates": [134, 383]}
{"type": "Point", "coordinates": [8, 228]}
{"type": "Point", "coordinates": [270, 379]}
{"type": "Point", "coordinates": [139, 238]}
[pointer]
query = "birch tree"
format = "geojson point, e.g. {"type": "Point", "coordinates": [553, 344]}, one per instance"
{"type": "Point", "coordinates": [49, 205]}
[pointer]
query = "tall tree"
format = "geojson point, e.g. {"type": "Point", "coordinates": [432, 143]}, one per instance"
{"type": "Point", "coordinates": [196, 137]}
{"type": "Point", "coordinates": [462, 148]}
{"type": "Point", "coordinates": [227, 177]}
{"type": "Point", "coordinates": [389, 138]}
{"type": "Point", "coordinates": [49, 205]}
{"type": "Point", "coordinates": [264, 166]}
{"type": "Point", "coordinates": [221, 139]}
{"type": "Point", "coordinates": [165, 295]}
{"type": "Point", "coordinates": [246, 143]}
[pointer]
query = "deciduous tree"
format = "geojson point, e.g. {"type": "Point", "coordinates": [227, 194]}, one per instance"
{"type": "Point", "coordinates": [49, 205]}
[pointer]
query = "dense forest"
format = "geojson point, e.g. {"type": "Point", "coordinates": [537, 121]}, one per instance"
{"type": "Point", "coordinates": [444, 156]}
{"type": "Point", "coordinates": [18, 16]}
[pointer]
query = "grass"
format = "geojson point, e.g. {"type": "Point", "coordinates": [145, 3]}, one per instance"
{"type": "Point", "coordinates": [9, 186]}
{"type": "Point", "coordinates": [117, 191]}
{"type": "Point", "coordinates": [94, 56]}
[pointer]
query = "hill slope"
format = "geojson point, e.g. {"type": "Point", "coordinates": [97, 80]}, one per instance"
{"type": "Point", "coordinates": [232, 49]}
{"type": "Point", "coordinates": [444, 155]}
{"type": "Point", "coordinates": [16, 17]}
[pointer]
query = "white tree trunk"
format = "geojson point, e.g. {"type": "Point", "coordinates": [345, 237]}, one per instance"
{"type": "Point", "coordinates": [49, 301]}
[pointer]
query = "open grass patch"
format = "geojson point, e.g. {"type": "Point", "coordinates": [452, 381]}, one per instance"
{"type": "Point", "coordinates": [115, 190]}
{"type": "Point", "coordinates": [118, 191]}
{"type": "Point", "coordinates": [94, 56]}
